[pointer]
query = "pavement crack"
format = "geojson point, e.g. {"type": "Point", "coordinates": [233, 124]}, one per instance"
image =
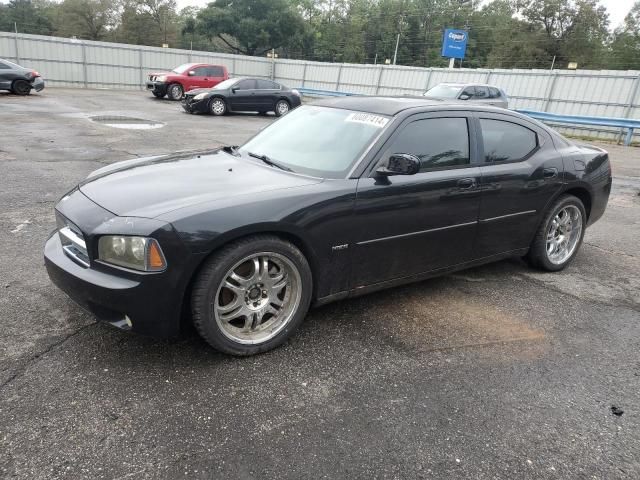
{"type": "Point", "coordinates": [623, 304]}
{"type": "Point", "coordinates": [613, 252]}
{"type": "Point", "coordinates": [23, 368]}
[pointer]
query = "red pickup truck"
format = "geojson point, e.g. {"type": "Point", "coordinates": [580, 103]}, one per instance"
{"type": "Point", "coordinates": [184, 78]}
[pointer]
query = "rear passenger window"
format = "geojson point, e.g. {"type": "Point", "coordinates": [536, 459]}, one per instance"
{"type": "Point", "coordinates": [494, 93]}
{"type": "Point", "coordinates": [4, 66]}
{"type": "Point", "coordinates": [481, 92]}
{"type": "Point", "coordinates": [267, 85]}
{"type": "Point", "coordinates": [506, 141]}
{"type": "Point", "coordinates": [215, 71]}
{"type": "Point", "coordinates": [437, 142]}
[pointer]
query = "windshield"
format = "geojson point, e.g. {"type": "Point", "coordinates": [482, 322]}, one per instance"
{"type": "Point", "coordinates": [318, 141]}
{"type": "Point", "coordinates": [225, 84]}
{"type": "Point", "coordinates": [443, 91]}
{"type": "Point", "coordinates": [183, 68]}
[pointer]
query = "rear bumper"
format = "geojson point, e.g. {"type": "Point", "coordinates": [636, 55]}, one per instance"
{"type": "Point", "coordinates": [146, 305]}
{"type": "Point", "coordinates": [157, 87]}
{"type": "Point", "coordinates": [37, 84]}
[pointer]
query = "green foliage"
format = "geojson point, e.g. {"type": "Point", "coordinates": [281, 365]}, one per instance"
{"type": "Point", "coordinates": [502, 33]}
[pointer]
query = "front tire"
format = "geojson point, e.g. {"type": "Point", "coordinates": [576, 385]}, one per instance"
{"type": "Point", "coordinates": [175, 91]}
{"type": "Point", "coordinates": [217, 106]}
{"type": "Point", "coordinates": [21, 87]}
{"type": "Point", "coordinates": [252, 295]}
{"type": "Point", "coordinates": [282, 108]}
{"type": "Point", "coordinates": [559, 236]}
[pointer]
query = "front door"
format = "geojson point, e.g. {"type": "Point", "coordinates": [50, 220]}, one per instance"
{"type": "Point", "coordinates": [242, 98]}
{"type": "Point", "coordinates": [521, 172]}
{"type": "Point", "coordinates": [413, 224]}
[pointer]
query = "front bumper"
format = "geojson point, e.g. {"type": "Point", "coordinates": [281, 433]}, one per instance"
{"type": "Point", "coordinates": [37, 84]}
{"type": "Point", "coordinates": [146, 305]}
{"type": "Point", "coordinates": [159, 88]}
{"type": "Point", "coordinates": [192, 106]}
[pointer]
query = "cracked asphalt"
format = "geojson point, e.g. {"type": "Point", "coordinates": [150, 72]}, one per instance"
{"type": "Point", "coordinates": [495, 372]}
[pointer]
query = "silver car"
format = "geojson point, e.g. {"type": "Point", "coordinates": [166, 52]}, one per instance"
{"type": "Point", "coordinates": [474, 92]}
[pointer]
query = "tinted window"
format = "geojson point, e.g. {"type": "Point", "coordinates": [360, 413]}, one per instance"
{"type": "Point", "coordinates": [437, 142]}
{"type": "Point", "coordinates": [267, 85]}
{"type": "Point", "coordinates": [505, 141]}
{"type": "Point", "coordinates": [200, 71]}
{"type": "Point", "coordinates": [471, 91]}
{"type": "Point", "coordinates": [481, 92]}
{"type": "Point", "coordinates": [494, 93]}
{"type": "Point", "coordinates": [246, 85]}
{"type": "Point", "coordinates": [4, 66]}
{"type": "Point", "coordinates": [215, 71]}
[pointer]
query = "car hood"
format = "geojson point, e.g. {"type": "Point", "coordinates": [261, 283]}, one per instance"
{"type": "Point", "coordinates": [157, 74]}
{"type": "Point", "coordinates": [196, 91]}
{"type": "Point", "coordinates": [149, 187]}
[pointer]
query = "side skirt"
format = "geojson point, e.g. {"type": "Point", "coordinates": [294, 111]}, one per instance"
{"type": "Point", "coordinates": [366, 289]}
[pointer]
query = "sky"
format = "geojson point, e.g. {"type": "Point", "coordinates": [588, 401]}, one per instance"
{"type": "Point", "coordinates": [617, 9]}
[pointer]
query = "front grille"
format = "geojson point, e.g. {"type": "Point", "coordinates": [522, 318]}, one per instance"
{"type": "Point", "coordinates": [73, 242]}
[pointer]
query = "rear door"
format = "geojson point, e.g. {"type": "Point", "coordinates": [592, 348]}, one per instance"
{"type": "Point", "coordinates": [521, 172]}
{"type": "Point", "coordinates": [417, 223]}
{"type": "Point", "coordinates": [267, 92]}
{"type": "Point", "coordinates": [215, 75]}
{"type": "Point", "coordinates": [7, 74]}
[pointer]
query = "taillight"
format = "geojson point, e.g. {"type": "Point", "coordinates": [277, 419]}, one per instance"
{"type": "Point", "coordinates": [35, 74]}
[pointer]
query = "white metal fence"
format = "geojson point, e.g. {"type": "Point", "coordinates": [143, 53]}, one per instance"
{"type": "Point", "coordinates": [70, 62]}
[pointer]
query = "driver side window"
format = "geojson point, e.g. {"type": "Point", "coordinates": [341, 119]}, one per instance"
{"type": "Point", "coordinates": [439, 143]}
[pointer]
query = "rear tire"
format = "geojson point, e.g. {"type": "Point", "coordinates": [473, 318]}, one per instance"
{"type": "Point", "coordinates": [21, 87]}
{"type": "Point", "coordinates": [175, 91]}
{"type": "Point", "coordinates": [250, 296]}
{"type": "Point", "coordinates": [559, 236]}
{"type": "Point", "coordinates": [282, 108]}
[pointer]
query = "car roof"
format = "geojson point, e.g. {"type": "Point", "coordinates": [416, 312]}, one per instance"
{"type": "Point", "coordinates": [474, 84]}
{"type": "Point", "coordinates": [392, 106]}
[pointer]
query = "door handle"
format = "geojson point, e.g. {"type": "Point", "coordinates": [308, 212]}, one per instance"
{"type": "Point", "coordinates": [550, 173]}
{"type": "Point", "coordinates": [466, 183]}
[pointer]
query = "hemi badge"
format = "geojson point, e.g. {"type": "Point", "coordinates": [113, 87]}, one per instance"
{"type": "Point", "coordinates": [340, 247]}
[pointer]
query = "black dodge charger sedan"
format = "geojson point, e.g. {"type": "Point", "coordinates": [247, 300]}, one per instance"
{"type": "Point", "coordinates": [336, 199]}
{"type": "Point", "coordinates": [242, 95]}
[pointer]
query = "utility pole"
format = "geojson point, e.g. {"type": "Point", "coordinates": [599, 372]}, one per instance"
{"type": "Point", "coordinates": [395, 54]}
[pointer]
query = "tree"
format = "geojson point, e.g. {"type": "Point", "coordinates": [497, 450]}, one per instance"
{"type": "Point", "coordinates": [625, 48]}
{"type": "Point", "coordinates": [27, 15]}
{"type": "Point", "coordinates": [251, 27]}
{"type": "Point", "coordinates": [90, 19]}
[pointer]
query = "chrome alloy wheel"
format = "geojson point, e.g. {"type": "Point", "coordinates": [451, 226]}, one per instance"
{"type": "Point", "coordinates": [217, 106]}
{"type": "Point", "coordinates": [257, 298]}
{"type": "Point", "coordinates": [564, 234]}
{"type": "Point", "coordinates": [282, 107]}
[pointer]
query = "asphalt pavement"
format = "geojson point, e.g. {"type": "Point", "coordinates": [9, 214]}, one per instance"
{"type": "Point", "coordinates": [494, 372]}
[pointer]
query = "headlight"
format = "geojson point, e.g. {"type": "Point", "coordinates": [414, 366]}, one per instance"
{"type": "Point", "coordinates": [200, 96]}
{"type": "Point", "coordinates": [139, 253]}
{"type": "Point", "coordinates": [161, 78]}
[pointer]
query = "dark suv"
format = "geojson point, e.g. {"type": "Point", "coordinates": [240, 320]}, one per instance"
{"type": "Point", "coordinates": [19, 80]}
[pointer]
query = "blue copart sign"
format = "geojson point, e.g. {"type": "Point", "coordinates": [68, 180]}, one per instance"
{"type": "Point", "coordinates": [455, 43]}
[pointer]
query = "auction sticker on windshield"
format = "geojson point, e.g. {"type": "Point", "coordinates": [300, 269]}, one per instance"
{"type": "Point", "coordinates": [368, 118]}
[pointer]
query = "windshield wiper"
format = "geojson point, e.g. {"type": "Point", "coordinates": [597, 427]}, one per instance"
{"type": "Point", "coordinates": [268, 161]}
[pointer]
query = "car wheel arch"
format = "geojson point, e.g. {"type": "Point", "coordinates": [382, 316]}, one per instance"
{"type": "Point", "coordinates": [288, 234]}
{"type": "Point", "coordinates": [581, 191]}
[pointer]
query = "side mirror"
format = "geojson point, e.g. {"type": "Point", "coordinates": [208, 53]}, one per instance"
{"type": "Point", "coordinates": [400, 164]}
{"type": "Point", "coordinates": [234, 89]}
{"type": "Point", "coordinates": [191, 73]}
{"type": "Point", "coordinates": [465, 96]}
